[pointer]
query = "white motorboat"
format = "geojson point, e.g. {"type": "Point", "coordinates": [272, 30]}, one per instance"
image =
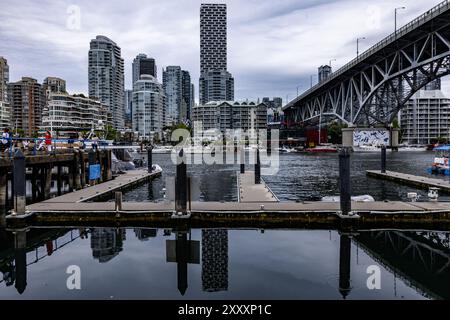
{"type": "Point", "coordinates": [364, 198]}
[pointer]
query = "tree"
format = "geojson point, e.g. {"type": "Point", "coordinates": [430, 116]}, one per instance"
{"type": "Point", "coordinates": [111, 133]}
{"type": "Point", "coordinates": [335, 132]}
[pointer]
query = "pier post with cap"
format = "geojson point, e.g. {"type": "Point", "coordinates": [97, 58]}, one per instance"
{"type": "Point", "coordinates": [181, 185]}
{"type": "Point", "coordinates": [383, 159]}
{"type": "Point", "coordinates": [344, 177]}
{"type": "Point", "coordinates": [19, 178]}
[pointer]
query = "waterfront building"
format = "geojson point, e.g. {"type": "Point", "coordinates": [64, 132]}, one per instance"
{"type": "Point", "coordinates": [149, 108]}
{"type": "Point", "coordinates": [106, 77]}
{"type": "Point", "coordinates": [215, 83]}
{"type": "Point", "coordinates": [426, 116]}
{"type": "Point", "coordinates": [223, 115]}
{"type": "Point", "coordinates": [26, 99]}
{"type": "Point", "coordinates": [275, 115]}
{"type": "Point", "coordinates": [5, 110]}
{"type": "Point", "coordinates": [142, 64]}
{"type": "Point", "coordinates": [70, 114]}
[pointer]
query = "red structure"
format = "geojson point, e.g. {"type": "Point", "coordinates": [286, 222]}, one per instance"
{"type": "Point", "coordinates": [312, 136]}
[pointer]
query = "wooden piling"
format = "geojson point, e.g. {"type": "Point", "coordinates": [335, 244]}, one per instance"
{"type": "Point", "coordinates": [34, 191]}
{"type": "Point", "coordinates": [76, 171]}
{"type": "Point", "coordinates": [108, 165]}
{"type": "Point", "coordinates": [59, 177]}
{"type": "Point", "coordinates": [257, 168]}
{"type": "Point", "coordinates": [48, 181]}
{"type": "Point", "coordinates": [3, 189]}
{"type": "Point", "coordinates": [82, 169]}
{"type": "Point", "coordinates": [19, 175]}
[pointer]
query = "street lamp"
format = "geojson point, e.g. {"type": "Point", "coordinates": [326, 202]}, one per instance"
{"type": "Point", "coordinates": [312, 77]}
{"type": "Point", "coordinates": [332, 61]}
{"type": "Point", "coordinates": [395, 10]}
{"type": "Point", "coordinates": [357, 45]}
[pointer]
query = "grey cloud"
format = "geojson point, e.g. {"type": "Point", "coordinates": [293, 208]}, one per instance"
{"type": "Point", "coordinates": [274, 46]}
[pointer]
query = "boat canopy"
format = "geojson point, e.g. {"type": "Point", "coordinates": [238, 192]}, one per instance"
{"type": "Point", "coordinates": [442, 148]}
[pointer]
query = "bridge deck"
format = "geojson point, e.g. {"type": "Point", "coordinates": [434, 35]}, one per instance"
{"type": "Point", "coordinates": [409, 179]}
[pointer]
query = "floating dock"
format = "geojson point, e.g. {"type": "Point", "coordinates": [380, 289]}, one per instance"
{"type": "Point", "coordinates": [257, 206]}
{"type": "Point", "coordinates": [411, 180]}
{"type": "Point", "coordinates": [250, 192]}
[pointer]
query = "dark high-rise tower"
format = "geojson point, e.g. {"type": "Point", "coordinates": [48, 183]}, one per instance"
{"type": "Point", "coordinates": [143, 65]}
{"type": "Point", "coordinates": [216, 83]}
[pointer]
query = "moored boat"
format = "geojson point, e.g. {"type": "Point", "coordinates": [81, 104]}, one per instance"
{"type": "Point", "coordinates": [441, 160]}
{"type": "Point", "coordinates": [322, 149]}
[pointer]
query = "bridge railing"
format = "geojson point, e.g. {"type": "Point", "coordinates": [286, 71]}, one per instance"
{"type": "Point", "coordinates": [422, 19]}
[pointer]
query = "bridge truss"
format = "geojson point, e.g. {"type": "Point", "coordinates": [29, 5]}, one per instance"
{"type": "Point", "coordinates": [373, 88]}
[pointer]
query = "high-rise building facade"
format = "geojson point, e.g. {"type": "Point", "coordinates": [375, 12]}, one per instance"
{"type": "Point", "coordinates": [27, 99]}
{"type": "Point", "coordinates": [173, 87]}
{"type": "Point", "coordinates": [149, 108]}
{"type": "Point", "coordinates": [5, 111]}
{"type": "Point", "coordinates": [324, 73]}
{"type": "Point", "coordinates": [142, 64]}
{"type": "Point", "coordinates": [54, 85]}
{"type": "Point", "coordinates": [106, 77]}
{"type": "Point", "coordinates": [275, 113]}
{"type": "Point", "coordinates": [128, 104]}
{"type": "Point", "coordinates": [187, 95]}
{"type": "Point", "coordinates": [216, 83]}
{"type": "Point", "coordinates": [426, 117]}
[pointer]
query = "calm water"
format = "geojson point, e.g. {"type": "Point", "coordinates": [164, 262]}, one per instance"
{"type": "Point", "coordinates": [238, 264]}
{"type": "Point", "coordinates": [300, 177]}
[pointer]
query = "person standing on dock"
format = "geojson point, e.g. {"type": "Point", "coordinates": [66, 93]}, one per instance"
{"type": "Point", "coordinates": [6, 142]}
{"type": "Point", "coordinates": [48, 141]}
{"type": "Point", "coordinates": [95, 143]}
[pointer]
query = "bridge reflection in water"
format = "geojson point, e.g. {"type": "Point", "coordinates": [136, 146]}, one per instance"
{"type": "Point", "coordinates": [420, 258]}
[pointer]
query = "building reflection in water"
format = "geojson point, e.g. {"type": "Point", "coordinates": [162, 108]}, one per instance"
{"type": "Point", "coordinates": [421, 259]}
{"type": "Point", "coordinates": [107, 243]}
{"type": "Point", "coordinates": [214, 260]}
{"type": "Point", "coordinates": [145, 234]}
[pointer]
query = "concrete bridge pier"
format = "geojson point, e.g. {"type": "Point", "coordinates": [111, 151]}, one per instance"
{"type": "Point", "coordinates": [351, 136]}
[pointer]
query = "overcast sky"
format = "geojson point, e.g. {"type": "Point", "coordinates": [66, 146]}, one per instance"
{"type": "Point", "coordinates": [274, 46]}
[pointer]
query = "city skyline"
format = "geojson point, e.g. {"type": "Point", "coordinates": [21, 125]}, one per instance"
{"type": "Point", "coordinates": [270, 45]}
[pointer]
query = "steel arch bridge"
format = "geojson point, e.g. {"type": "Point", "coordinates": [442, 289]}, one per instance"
{"type": "Point", "coordinates": [374, 87]}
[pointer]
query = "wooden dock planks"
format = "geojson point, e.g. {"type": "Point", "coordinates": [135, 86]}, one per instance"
{"type": "Point", "coordinates": [251, 192]}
